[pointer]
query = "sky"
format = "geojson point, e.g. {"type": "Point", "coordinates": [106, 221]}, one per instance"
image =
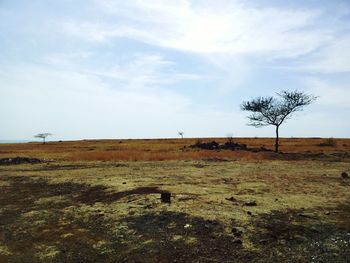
{"type": "Point", "coordinates": [88, 69]}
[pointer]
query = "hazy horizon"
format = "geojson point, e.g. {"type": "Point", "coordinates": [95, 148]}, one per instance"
{"type": "Point", "coordinates": [149, 69]}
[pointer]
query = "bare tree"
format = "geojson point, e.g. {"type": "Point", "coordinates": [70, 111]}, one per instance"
{"type": "Point", "coordinates": [43, 136]}
{"type": "Point", "coordinates": [272, 111]}
{"type": "Point", "coordinates": [181, 134]}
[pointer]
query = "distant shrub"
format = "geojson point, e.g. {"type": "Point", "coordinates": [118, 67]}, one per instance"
{"type": "Point", "coordinates": [330, 142]}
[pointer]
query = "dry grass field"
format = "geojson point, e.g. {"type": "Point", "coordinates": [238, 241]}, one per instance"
{"type": "Point", "coordinates": [99, 201]}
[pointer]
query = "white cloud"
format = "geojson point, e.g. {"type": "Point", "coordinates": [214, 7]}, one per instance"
{"type": "Point", "coordinates": [153, 86]}
{"type": "Point", "coordinates": [142, 70]}
{"type": "Point", "coordinates": [223, 27]}
{"type": "Point", "coordinates": [332, 58]}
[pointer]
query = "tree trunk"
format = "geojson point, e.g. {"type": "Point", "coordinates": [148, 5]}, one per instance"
{"type": "Point", "coordinates": [276, 140]}
{"type": "Point", "coordinates": [44, 140]}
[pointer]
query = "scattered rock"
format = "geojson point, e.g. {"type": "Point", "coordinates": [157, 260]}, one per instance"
{"type": "Point", "coordinates": [282, 242]}
{"type": "Point", "coordinates": [237, 241]}
{"type": "Point", "coordinates": [249, 213]}
{"type": "Point", "coordinates": [187, 226]}
{"type": "Point", "coordinates": [305, 215]}
{"type": "Point", "coordinates": [206, 145]}
{"type": "Point", "coordinates": [344, 175]}
{"type": "Point", "coordinates": [250, 203]}
{"type": "Point", "coordinates": [327, 213]}
{"type": "Point", "coordinates": [232, 199]}
{"type": "Point", "coordinates": [238, 231]}
{"type": "Point", "coordinates": [263, 241]}
{"type": "Point", "coordinates": [231, 145]}
{"type": "Point", "coordinates": [124, 182]}
{"type": "Point", "coordinates": [213, 145]}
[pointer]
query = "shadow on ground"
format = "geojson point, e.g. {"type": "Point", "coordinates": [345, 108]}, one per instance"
{"type": "Point", "coordinates": [35, 227]}
{"type": "Point", "coordinates": [301, 236]}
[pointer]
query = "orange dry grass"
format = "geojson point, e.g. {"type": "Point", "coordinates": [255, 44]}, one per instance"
{"type": "Point", "coordinates": [162, 149]}
{"type": "Point", "coordinates": [162, 156]}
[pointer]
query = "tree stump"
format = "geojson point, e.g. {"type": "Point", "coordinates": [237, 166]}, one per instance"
{"type": "Point", "coordinates": [165, 197]}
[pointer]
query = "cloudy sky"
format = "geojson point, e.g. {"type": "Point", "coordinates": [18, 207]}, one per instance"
{"type": "Point", "coordinates": [150, 68]}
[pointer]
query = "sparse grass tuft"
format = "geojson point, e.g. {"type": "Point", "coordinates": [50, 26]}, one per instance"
{"type": "Point", "coordinates": [330, 142]}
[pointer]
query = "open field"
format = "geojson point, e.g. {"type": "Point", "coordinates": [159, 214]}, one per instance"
{"type": "Point", "coordinates": [99, 201]}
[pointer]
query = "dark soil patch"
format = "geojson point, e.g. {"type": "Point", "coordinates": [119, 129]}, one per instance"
{"type": "Point", "coordinates": [216, 159]}
{"type": "Point", "coordinates": [99, 194]}
{"type": "Point", "coordinates": [28, 227]}
{"type": "Point", "coordinates": [179, 237]}
{"type": "Point", "coordinates": [18, 160]}
{"type": "Point", "coordinates": [26, 190]}
{"type": "Point", "coordinates": [65, 167]}
{"type": "Point", "coordinates": [295, 236]}
{"type": "Point", "coordinates": [57, 167]}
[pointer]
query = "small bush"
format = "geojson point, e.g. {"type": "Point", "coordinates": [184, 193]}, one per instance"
{"type": "Point", "coordinates": [330, 142]}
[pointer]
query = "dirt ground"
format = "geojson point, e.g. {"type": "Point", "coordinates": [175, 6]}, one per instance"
{"type": "Point", "coordinates": [99, 201]}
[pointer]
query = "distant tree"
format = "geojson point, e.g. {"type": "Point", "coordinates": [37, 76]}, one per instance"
{"type": "Point", "coordinates": [42, 136]}
{"type": "Point", "coordinates": [181, 134]}
{"type": "Point", "coordinates": [272, 111]}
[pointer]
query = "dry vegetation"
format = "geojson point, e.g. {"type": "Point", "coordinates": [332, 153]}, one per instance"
{"type": "Point", "coordinates": [165, 149]}
{"type": "Point", "coordinates": [98, 201]}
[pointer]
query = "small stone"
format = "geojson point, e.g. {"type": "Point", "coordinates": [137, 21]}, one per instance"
{"type": "Point", "coordinates": [187, 226]}
{"type": "Point", "coordinates": [299, 239]}
{"type": "Point", "coordinates": [124, 182]}
{"type": "Point", "coordinates": [238, 231]}
{"type": "Point", "coordinates": [344, 175]}
{"type": "Point", "coordinates": [327, 213]}
{"type": "Point", "coordinates": [304, 215]}
{"type": "Point", "coordinates": [249, 213]}
{"type": "Point", "coordinates": [232, 199]}
{"type": "Point", "coordinates": [282, 242]}
{"type": "Point", "coordinates": [250, 203]}
{"type": "Point", "coordinates": [237, 241]}
{"type": "Point", "coordinates": [263, 241]}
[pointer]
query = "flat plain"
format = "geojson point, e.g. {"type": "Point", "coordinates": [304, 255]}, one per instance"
{"type": "Point", "coordinates": [99, 201]}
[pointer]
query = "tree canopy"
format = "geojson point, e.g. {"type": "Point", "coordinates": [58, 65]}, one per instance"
{"type": "Point", "coordinates": [274, 111]}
